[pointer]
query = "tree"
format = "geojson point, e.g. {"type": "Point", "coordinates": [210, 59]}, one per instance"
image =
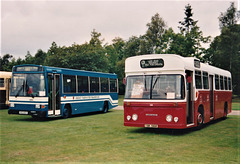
{"type": "Point", "coordinates": [95, 39]}
{"type": "Point", "coordinates": [230, 17]}
{"type": "Point", "coordinates": [188, 22]}
{"type": "Point", "coordinates": [55, 56]}
{"type": "Point", "coordinates": [155, 31]}
{"type": "Point", "coordinates": [224, 51]}
{"type": "Point", "coordinates": [40, 57]}
{"type": "Point", "coordinates": [4, 62]}
{"type": "Point", "coordinates": [193, 37]}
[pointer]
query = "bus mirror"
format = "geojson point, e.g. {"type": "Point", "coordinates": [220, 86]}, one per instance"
{"type": "Point", "coordinates": [124, 80]}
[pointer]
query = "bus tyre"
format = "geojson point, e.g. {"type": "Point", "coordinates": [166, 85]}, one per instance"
{"type": "Point", "coordinates": [225, 110]}
{"type": "Point", "coordinates": [199, 119]}
{"type": "Point", "coordinates": [66, 112]}
{"type": "Point", "coordinates": [105, 107]}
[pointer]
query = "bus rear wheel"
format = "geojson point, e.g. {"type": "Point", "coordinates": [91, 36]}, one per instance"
{"type": "Point", "coordinates": [200, 116]}
{"type": "Point", "coordinates": [225, 110]}
{"type": "Point", "coordinates": [199, 119]}
{"type": "Point", "coordinates": [105, 107]}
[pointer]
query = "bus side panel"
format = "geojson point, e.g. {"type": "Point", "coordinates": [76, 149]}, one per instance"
{"type": "Point", "coordinates": [84, 103]}
{"type": "Point", "coordinates": [220, 97]}
{"type": "Point", "coordinates": [85, 107]}
{"type": "Point", "coordinates": [204, 100]}
{"type": "Point", "coordinates": [113, 102]}
{"type": "Point", "coordinates": [3, 99]}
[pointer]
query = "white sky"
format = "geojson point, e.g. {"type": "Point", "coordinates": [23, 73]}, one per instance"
{"type": "Point", "coordinates": [32, 25]}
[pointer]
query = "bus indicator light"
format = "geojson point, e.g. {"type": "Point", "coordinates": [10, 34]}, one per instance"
{"type": "Point", "coordinates": [128, 117]}
{"type": "Point", "coordinates": [175, 119]}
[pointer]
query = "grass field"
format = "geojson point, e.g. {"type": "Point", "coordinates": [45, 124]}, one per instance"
{"type": "Point", "coordinates": [103, 138]}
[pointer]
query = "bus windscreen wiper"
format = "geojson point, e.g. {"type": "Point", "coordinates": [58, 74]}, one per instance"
{"type": "Point", "coordinates": [22, 87]}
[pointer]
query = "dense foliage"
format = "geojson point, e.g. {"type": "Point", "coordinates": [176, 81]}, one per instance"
{"type": "Point", "coordinates": [96, 56]}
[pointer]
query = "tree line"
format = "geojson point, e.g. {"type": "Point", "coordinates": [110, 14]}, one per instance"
{"type": "Point", "coordinates": [224, 50]}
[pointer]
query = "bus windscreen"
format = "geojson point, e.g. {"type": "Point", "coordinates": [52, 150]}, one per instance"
{"type": "Point", "coordinates": [28, 85]}
{"type": "Point", "coordinates": [155, 87]}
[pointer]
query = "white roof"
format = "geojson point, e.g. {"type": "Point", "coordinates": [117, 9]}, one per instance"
{"type": "Point", "coordinates": [172, 62]}
{"type": "Point", "coordinates": [4, 74]}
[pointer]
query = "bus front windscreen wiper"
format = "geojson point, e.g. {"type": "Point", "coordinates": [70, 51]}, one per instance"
{"type": "Point", "coordinates": [21, 88]}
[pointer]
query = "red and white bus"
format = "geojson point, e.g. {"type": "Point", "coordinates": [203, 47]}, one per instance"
{"type": "Point", "coordinates": [170, 91]}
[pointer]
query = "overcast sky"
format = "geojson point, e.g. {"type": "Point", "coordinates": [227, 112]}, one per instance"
{"type": "Point", "coordinates": [32, 25]}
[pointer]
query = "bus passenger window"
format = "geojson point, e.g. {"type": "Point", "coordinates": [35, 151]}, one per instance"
{"type": "Point", "coordinates": [94, 84]}
{"type": "Point", "coordinates": [69, 83]}
{"type": "Point", "coordinates": [198, 79]}
{"type": "Point", "coordinates": [225, 83]}
{"type": "Point", "coordinates": [216, 82]}
{"type": "Point", "coordinates": [229, 84]}
{"type": "Point", "coordinates": [221, 83]}
{"type": "Point", "coordinates": [104, 85]}
{"type": "Point", "coordinates": [1, 82]}
{"type": "Point", "coordinates": [205, 80]}
{"type": "Point", "coordinates": [82, 84]}
{"type": "Point", "coordinates": [113, 85]}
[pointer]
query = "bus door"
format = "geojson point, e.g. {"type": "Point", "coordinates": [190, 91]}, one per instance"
{"type": "Point", "coordinates": [54, 95]}
{"type": "Point", "coordinates": [211, 97]}
{"type": "Point", "coordinates": [190, 96]}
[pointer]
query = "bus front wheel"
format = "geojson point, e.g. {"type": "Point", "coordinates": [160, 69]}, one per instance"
{"type": "Point", "coordinates": [66, 112]}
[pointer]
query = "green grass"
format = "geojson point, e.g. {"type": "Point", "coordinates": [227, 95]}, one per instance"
{"type": "Point", "coordinates": [235, 106]}
{"type": "Point", "coordinates": [103, 138]}
{"type": "Point", "coordinates": [120, 100]}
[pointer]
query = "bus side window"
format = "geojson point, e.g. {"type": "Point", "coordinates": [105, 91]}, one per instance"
{"type": "Point", "coordinates": [216, 82]}
{"type": "Point", "coordinates": [1, 82]}
{"type": "Point", "coordinates": [221, 83]}
{"type": "Point", "coordinates": [225, 83]}
{"type": "Point", "coordinates": [82, 84]}
{"type": "Point", "coordinates": [229, 84]}
{"type": "Point", "coordinates": [198, 79]}
{"type": "Point", "coordinates": [94, 84]}
{"type": "Point", "coordinates": [104, 84]}
{"type": "Point", "coordinates": [113, 85]}
{"type": "Point", "coordinates": [205, 80]}
{"type": "Point", "coordinates": [69, 83]}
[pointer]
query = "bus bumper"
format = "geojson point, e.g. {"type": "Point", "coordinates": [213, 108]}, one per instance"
{"type": "Point", "coordinates": [33, 113]}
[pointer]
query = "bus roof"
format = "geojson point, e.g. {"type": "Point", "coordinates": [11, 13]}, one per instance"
{"type": "Point", "coordinates": [4, 74]}
{"type": "Point", "coordinates": [168, 62]}
{"type": "Point", "coordinates": [68, 71]}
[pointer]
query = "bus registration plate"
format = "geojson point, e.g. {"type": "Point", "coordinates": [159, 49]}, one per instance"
{"type": "Point", "coordinates": [151, 126]}
{"type": "Point", "coordinates": [23, 112]}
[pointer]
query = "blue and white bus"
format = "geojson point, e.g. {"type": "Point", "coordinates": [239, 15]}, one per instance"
{"type": "Point", "coordinates": [42, 91]}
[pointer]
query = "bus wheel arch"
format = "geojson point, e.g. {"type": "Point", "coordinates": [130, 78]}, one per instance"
{"type": "Point", "coordinates": [105, 107]}
{"type": "Point", "coordinates": [200, 115]}
{"type": "Point", "coordinates": [67, 111]}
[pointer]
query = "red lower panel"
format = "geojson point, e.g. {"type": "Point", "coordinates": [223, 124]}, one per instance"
{"type": "Point", "coordinates": [154, 115]}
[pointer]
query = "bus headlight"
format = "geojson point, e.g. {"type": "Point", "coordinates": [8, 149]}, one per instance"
{"type": "Point", "coordinates": [37, 106]}
{"type": "Point", "coordinates": [12, 105]}
{"type": "Point", "coordinates": [175, 119]}
{"type": "Point", "coordinates": [134, 117]}
{"type": "Point", "coordinates": [169, 118]}
{"type": "Point", "coordinates": [128, 117]}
